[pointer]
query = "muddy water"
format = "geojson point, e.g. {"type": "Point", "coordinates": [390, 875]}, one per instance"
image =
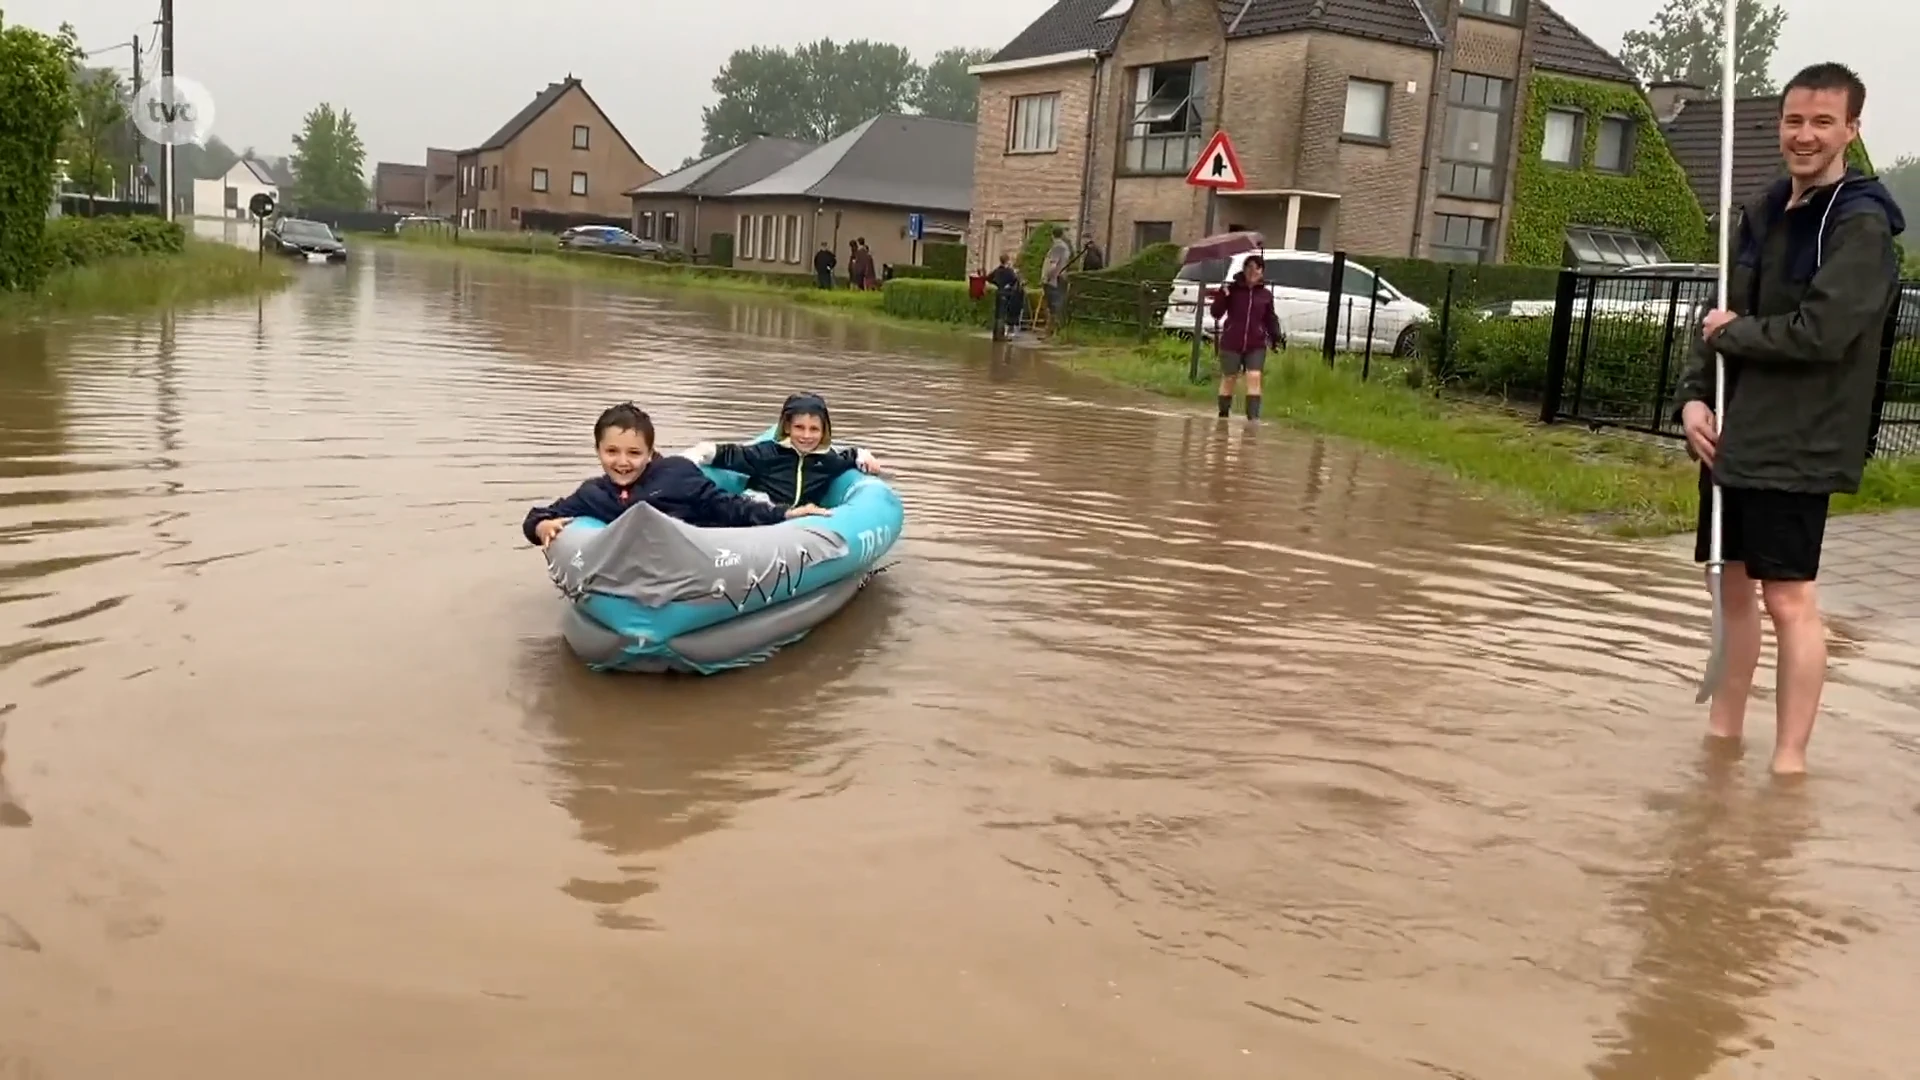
{"type": "Point", "coordinates": [1167, 748]}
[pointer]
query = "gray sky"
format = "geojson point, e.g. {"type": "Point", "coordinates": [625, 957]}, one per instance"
{"type": "Point", "coordinates": [420, 72]}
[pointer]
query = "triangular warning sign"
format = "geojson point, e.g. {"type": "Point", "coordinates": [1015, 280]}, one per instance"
{"type": "Point", "coordinates": [1219, 166]}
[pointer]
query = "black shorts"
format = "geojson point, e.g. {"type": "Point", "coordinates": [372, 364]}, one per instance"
{"type": "Point", "coordinates": [1775, 535]}
{"type": "Point", "coordinates": [1233, 363]}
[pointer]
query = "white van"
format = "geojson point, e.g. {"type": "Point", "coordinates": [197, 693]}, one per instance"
{"type": "Point", "coordinates": [1300, 281]}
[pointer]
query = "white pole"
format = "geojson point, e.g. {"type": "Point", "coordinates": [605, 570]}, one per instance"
{"type": "Point", "coordinates": [1716, 554]}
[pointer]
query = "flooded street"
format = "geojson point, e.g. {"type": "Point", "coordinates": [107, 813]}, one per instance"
{"type": "Point", "coordinates": [1167, 747]}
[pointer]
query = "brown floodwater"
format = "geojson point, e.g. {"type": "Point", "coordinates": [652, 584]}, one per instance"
{"type": "Point", "coordinates": [1166, 747]}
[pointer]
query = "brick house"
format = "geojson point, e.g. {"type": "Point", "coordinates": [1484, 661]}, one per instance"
{"type": "Point", "coordinates": [670, 209]}
{"type": "Point", "coordinates": [560, 153]}
{"type": "Point", "coordinates": [862, 185]}
{"type": "Point", "coordinates": [399, 188]}
{"type": "Point", "coordinates": [1383, 127]}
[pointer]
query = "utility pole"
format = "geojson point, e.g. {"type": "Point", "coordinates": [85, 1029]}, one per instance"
{"type": "Point", "coordinates": [139, 150]}
{"type": "Point", "coordinates": [166, 77]}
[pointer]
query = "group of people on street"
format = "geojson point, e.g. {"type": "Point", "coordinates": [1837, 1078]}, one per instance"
{"type": "Point", "coordinates": [860, 270]}
{"type": "Point", "coordinates": [1010, 283]}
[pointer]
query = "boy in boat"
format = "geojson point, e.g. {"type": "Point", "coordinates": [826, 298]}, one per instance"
{"type": "Point", "coordinates": [633, 473]}
{"type": "Point", "coordinates": [798, 466]}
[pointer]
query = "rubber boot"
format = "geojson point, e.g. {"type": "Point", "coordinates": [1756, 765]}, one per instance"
{"type": "Point", "coordinates": [1253, 406]}
{"type": "Point", "coordinates": [1226, 405]}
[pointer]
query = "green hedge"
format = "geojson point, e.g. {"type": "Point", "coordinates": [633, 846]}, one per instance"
{"type": "Point", "coordinates": [1508, 358]}
{"type": "Point", "coordinates": [1033, 252]}
{"type": "Point", "coordinates": [1131, 295]}
{"type": "Point", "coordinates": [1653, 199]}
{"type": "Point", "coordinates": [936, 301]}
{"type": "Point", "coordinates": [945, 261]}
{"type": "Point", "coordinates": [82, 241]}
{"type": "Point", "coordinates": [36, 87]}
{"type": "Point", "coordinates": [919, 273]}
{"type": "Point", "coordinates": [1483, 283]}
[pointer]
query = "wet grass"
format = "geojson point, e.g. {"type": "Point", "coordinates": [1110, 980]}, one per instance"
{"type": "Point", "coordinates": [1623, 485]}
{"type": "Point", "coordinates": [203, 271]}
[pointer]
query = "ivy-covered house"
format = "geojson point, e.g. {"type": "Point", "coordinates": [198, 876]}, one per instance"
{"type": "Point", "coordinates": [1467, 130]}
{"type": "Point", "coordinates": [1691, 123]}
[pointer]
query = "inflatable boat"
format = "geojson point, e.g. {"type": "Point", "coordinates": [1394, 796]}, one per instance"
{"type": "Point", "coordinates": [650, 593]}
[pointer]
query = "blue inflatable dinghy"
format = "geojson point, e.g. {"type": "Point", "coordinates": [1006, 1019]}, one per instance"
{"type": "Point", "coordinates": [650, 593]}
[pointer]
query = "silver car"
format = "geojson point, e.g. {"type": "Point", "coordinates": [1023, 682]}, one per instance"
{"type": "Point", "coordinates": [610, 240]}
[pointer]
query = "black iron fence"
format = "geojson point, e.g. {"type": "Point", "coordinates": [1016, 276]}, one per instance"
{"type": "Point", "coordinates": [1617, 345]}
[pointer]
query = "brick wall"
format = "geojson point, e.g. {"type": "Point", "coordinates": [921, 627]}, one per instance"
{"type": "Point", "coordinates": [1013, 188]}
{"type": "Point", "coordinates": [1379, 185]}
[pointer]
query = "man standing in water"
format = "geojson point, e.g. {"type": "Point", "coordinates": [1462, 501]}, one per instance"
{"type": "Point", "coordinates": [1813, 277]}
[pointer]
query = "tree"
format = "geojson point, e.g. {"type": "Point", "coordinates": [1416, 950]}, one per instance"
{"type": "Point", "coordinates": [815, 92]}
{"type": "Point", "coordinates": [36, 85]}
{"type": "Point", "coordinates": [945, 89]}
{"type": "Point", "coordinates": [95, 140]}
{"type": "Point", "coordinates": [1685, 44]}
{"type": "Point", "coordinates": [329, 161]}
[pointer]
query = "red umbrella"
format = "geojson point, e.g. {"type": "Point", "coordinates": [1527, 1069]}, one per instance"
{"type": "Point", "coordinates": [1223, 246]}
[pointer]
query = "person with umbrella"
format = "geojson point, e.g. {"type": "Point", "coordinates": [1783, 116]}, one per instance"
{"type": "Point", "coordinates": [1249, 326]}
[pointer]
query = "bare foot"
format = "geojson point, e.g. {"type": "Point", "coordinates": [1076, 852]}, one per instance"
{"type": "Point", "coordinates": [1789, 763]}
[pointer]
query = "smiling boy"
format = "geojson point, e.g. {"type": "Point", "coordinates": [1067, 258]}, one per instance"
{"type": "Point", "coordinates": [1814, 274]}
{"type": "Point", "coordinates": [632, 473]}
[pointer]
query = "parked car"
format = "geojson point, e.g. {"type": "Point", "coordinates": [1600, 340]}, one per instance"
{"type": "Point", "coordinates": [300, 238]}
{"type": "Point", "coordinates": [610, 240]}
{"type": "Point", "coordinates": [1635, 292]}
{"type": "Point", "coordinates": [1300, 282]}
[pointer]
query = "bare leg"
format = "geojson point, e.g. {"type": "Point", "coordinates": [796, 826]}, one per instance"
{"type": "Point", "coordinates": [1728, 714]}
{"type": "Point", "coordinates": [1227, 384]}
{"type": "Point", "coordinates": [1802, 637]}
{"type": "Point", "coordinates": [1253, 384]}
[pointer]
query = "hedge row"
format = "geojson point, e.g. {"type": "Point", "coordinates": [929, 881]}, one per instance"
{"type": "Point", "coordinates": [1473, 283]}
{"type": "Point", "coordinates": [1508, 358]}
{"type": "Point", "coordinates": [79, 241]}
{"type": "Point", "coordinates": [936, 301]}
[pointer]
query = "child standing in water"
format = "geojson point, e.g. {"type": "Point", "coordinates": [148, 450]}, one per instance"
{"type": "Point", "coordinates": [798, 466]}
{"type": "Point", "coordinates": [633, 473]}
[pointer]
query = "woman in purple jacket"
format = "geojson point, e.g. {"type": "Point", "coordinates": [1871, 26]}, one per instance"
{"type": "Point", "coordinates": [1248, 327]}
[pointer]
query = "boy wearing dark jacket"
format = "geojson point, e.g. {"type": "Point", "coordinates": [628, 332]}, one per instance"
{"type": "Point", "coordinates": [1248, 327]}
{"type": "Point", "coordinates": [798, 466]}
{"type": "Point", "coordinates": [633, 473]}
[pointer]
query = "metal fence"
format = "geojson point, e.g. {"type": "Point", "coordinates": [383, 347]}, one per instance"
{"type": "Point", "coordinates": [1619, 343]}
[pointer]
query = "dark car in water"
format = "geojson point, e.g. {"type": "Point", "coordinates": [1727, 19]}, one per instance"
{"type": "Point", "coordinates": [610, 240]}
{"type": "Point", "coordinates": [302, 239]}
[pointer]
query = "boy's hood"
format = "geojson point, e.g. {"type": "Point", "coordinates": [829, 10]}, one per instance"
{"type": "Point", "coordinates": [1855, 192]}
{"type": "Point", "coordinates": [806, 405]}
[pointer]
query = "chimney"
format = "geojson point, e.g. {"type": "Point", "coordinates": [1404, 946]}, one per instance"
{"type": "Point", "coordinates": [1667, 97]}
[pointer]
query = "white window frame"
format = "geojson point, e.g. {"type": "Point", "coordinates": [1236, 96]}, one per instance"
{"type": "Point", "coordinates": [1033, 124]}
{"type": "Point", "coordinates": [669, 218]}
{"type": "Point", "coordinates": [579, 186]}
{"type": "Point", "coordinates": [540, 181]}
{"type": "Point", "coordinates": [744, 236]}
{"type": "Point", "coordinates": [1576, 137]}
{"type": "Point", "coordinates": [1379, 109]}
{"type": "Point", "coordinates": [769, 239]}
{"type": "Point", "coordinates": [644, 227]}
{"type": "Point", "coordinates": [793, 238]}
{"type": "Point", "coordinates": [582, 137]}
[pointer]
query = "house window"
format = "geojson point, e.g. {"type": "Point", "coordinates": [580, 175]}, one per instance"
{"type": "Point", "coordinates": [496, 176]}
{"type": "Point", "coordinates": [1148, 233]}
{"type": "Point", "coordinates": [793, 238]}
{"type": "Point", "coordinates": [1564, 137]}
{"type": "Point", "coordinates": [1308, 238]}
{"type": "Point", "coordinates": [1034, 127]}
{"type": "Point", "coordinates": [1615, 150]}
{"type": "Point", "coordinates": [669, 228]}
{"type": "Point", "coordinates": [1366, 111]}
{"type": "Point", "coordinates": [1590, 248]}
{"type": "Point", "coordinates": [743, 233]}
{"type": "Point", "coordinates": [579, 136]}
{"type": "Point", "coordinates": [233, 198]}
{"type": "Point", "coordinates": [645, 225]}
{"type": "Point", "coordinates": [1477, 107]}
{"type": "Point", "coordinates": [579, 183]}
{"type": "Point", "coordinates": [1457, 238]}
{"type": "Point", "coordinates": [539, 179]}
{"type": "Point", "coordinates": [1163, 137]}
{"type": "Point", "coordinates": [513, 213]}
{"type": "Point", "coordinates": [769, 240]}
{"type": "Point", "coordinates": [1499, 9]}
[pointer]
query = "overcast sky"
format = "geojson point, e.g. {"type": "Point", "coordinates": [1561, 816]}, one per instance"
{"type": "Point", "coordinates": [420, 72]}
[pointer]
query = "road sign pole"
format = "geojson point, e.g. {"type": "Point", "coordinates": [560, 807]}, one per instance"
{"type": "Point", "coordinates": [1200, 305]}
